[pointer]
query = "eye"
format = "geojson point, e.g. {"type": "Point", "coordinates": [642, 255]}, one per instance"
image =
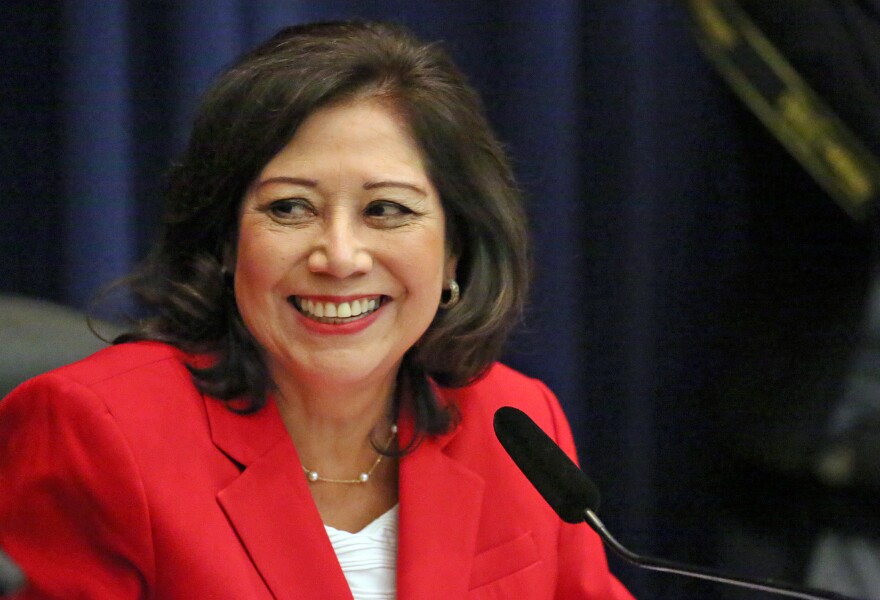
{"type": "Point", "coordinates": [290, 209]}
{"type": "Point", "coordinates": [386, 209]}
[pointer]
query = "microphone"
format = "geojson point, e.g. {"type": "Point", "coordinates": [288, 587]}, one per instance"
{"type": "Point", "coordinates": [575, 499]}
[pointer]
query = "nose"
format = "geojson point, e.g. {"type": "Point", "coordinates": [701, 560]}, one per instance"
{"type": "Point", "coordinates": [339, 250]}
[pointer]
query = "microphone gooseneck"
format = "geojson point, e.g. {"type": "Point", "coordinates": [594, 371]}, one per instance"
{"type": "Point", "coordinates": [575, 499]}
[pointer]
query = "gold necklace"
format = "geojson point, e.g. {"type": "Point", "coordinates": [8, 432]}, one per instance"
{"type": "Point", "coordinates": [313, 476]}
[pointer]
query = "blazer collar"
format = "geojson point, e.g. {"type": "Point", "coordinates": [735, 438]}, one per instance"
{"type": "Point", "coordinates": [270, 507]}
{"type": "Point", "coordinates": [440, 505]}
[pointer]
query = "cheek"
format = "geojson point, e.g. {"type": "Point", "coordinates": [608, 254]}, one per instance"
{"type": "Point", "coordinates": [256, 268]}
{"type": "Point", "coordinates": [256, 277]}
{"type": "Point", "coordinates": [426, 266]}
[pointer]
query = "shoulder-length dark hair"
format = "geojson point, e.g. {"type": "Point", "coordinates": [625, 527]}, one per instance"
{"type": "Point", "coordinates": [248, 116]}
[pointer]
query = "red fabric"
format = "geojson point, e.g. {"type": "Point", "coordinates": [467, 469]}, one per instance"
{"type": "Point", "coordinates": [119, 480]}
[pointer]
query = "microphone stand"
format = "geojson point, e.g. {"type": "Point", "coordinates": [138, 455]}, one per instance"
{"type": "Point", "coordinates": [571, 494]}
{"type": "Point", "coordinates": [665, 566]}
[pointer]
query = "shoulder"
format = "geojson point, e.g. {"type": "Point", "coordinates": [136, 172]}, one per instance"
{"type": "Point", "coordinates": [115, 377]}
{"type": "Point", "coordinates": [124, 361]}
{"type": "Point", "coordinates": [503, 386]}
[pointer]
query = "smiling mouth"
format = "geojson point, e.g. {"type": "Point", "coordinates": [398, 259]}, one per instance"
{"type": "Point", "coordinates": [337, 312]}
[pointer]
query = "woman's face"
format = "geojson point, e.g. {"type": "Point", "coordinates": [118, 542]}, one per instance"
{"type": "Point", "coordinates": [341, 252]}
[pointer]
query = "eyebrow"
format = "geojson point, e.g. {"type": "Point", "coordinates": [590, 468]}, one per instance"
{"type": "Point", "coordinates": [293, 180]}
{"type": "Point", "coordinates": [370, 185]}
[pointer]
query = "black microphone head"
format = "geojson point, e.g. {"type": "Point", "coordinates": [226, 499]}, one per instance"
{"type": "Point", "coordinates": [562, 484]}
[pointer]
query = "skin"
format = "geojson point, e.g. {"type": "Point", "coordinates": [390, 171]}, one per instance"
{"type": "Point", "coordinates": [346, 211]}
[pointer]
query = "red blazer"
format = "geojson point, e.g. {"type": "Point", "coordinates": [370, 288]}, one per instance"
{"type": "Point", "coordinates": [118, 479]}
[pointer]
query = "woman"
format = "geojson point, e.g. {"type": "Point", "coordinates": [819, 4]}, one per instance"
{"type": "Point", "coordinates": [309, 412]}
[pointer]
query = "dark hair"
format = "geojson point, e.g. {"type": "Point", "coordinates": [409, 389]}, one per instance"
{"type": "Point", "coordinates": [248, 116]}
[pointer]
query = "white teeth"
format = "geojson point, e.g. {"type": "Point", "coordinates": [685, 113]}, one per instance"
{"type": "Point", "coordinates": [343, 310]}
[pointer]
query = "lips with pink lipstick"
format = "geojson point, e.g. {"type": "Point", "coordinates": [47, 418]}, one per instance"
{"type": "Point", "coordinates": [337, 312]}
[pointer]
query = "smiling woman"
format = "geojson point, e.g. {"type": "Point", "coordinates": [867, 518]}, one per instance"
{"type": "Point", "coordinates": [308, 411]}
{"type": "Point", "coordinates": [344, 213]}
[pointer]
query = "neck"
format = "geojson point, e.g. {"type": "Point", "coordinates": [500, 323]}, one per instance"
{"type": "Point", "coordinates": [334, 429]}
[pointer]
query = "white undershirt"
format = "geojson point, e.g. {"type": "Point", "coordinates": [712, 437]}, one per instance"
{"type": "Point", "coordinates": [369, 557]}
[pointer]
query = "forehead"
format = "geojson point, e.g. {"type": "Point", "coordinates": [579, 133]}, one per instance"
{"type": "Point", "coordinates": [369, 128]}
{"type": "Point", "coordinates": [362, 144]}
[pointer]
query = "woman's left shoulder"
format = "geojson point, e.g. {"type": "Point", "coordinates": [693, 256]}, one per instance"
{"type": "Point", "coordinates": [503, 386]}
{"type": "Point", "coordinates": [500, 378]}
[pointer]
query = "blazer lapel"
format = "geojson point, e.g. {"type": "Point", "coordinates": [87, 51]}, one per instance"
{"type": "Point", "coordinates": [440, 504]}
{"type": "Point", "coordinates": [271, 509]}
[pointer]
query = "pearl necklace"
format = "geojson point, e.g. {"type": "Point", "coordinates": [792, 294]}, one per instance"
{"type": "Point", "coordinates": [313, 476]}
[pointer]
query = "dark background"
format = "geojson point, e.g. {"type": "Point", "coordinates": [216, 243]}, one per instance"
{"type": "Point", "coordinates": [692, 284]}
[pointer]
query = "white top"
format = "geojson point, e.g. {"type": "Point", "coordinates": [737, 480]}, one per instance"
{"type": "Point", "coordinates": [369, 557]}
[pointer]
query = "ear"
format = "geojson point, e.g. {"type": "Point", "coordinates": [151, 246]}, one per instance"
{"type": "Point", "coordinates": [450, 267]}
{"type": "Point", "coordinates": [228, 257]}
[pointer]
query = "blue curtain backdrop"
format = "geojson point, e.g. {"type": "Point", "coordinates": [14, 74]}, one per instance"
{"type": "Point", "coordinates": [661, 212]}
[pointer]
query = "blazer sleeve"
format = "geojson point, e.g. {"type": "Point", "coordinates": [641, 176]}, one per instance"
{"type": "Point", "coordinates": [73, 513]}
{"type": "Point", "coordinates": [582, 562]}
